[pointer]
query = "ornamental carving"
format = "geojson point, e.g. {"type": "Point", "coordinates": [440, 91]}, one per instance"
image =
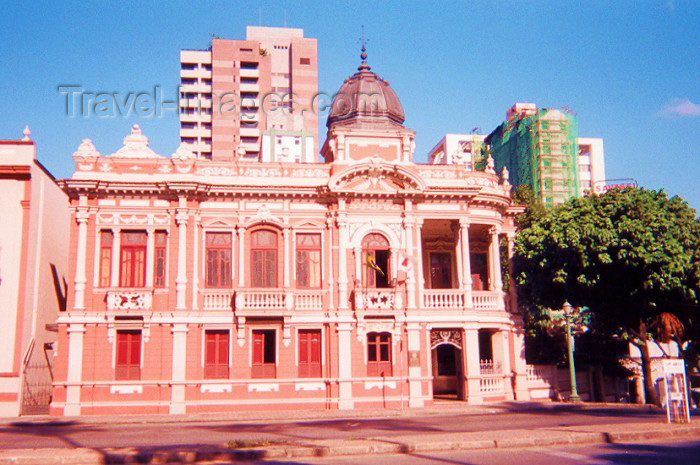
{"type": "Point", "coordinates": [121, 300]}
{"type": "Point", "coordinates": [309, 173]}
{"type": "Point", "coordinates": [135, 146]}
{"type": "Point", "coordinates": [215, 171]}
{"type": "Point", "coordinates": [438, 174]}
{"type": "Point", "coordinates": [446, 336]}
{"type": "Point", "coordinates": [373, 204]}
{"type": "Point", "coordinates": [86, 149]}
{"type": "Point", "coordinates": [262, 172]}
{"type": "Point", "coordinates": [479, 181]}
{"type": "Point", "coordinates": [133, 219]}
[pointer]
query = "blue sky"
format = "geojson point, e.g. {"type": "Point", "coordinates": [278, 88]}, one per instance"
{"type": "Point", "coordinates": [629, 69]}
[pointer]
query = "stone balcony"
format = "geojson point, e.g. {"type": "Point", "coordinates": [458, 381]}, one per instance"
{"type": "Point", "coordinates": [378, 299]}
{"type": "Point", "coordinates": [129, 299]}
{"type": "Point", "coordinates": [456, 299]}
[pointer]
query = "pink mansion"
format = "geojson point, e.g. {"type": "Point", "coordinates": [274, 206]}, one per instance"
{"type": "Point", "coordinates": [219, 283]}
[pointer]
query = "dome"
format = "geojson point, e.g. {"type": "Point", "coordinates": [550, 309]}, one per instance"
{"type": "Point", "coordinates": [365, 97]}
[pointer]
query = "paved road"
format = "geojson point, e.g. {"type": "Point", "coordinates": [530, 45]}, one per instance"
{"type": "Point", "coordinates": [679, 452]}
{"type": "Point", "coordinates": [72, 434]}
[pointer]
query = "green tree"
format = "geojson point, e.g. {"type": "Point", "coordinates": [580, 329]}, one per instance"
{"type": "Point", "coordinates": [629, 256]}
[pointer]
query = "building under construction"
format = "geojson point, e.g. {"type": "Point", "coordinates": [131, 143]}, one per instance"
{"type": "Point", "coordinates": [539, 148]}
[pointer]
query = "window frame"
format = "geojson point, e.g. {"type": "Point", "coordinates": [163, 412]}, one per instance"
{"type": "Point", "coordinates": [220, 280]}
{"type": "Point", "coordinates": [382, 365]}
{"type": "Point", "coordinates": [263, 265]}
{"type": "Point", "coordinates": [104, 258]}
{"type": "Point", "coordinates": [369, 275]}
{"type": "Point", "coordinates": [160, 271]}
{"type": "Point", "coordinates": [306, 367]}
{"type": "Point", "coordinates": [219, 367]}
{"type": "Point", "coordinates": [133, 259]}
{"type": "Point", "coordinates": [261, 367]}
{"type": "Point", "coordinates": [126, 368]}
{"type": "Point", "coordinates": [307, 249]}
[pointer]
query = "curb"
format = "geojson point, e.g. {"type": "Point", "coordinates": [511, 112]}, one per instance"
{"type": "Point", "coordinates": [327, 448]}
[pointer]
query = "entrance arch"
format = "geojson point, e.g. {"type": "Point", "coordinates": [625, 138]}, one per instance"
{"type": "Point", "coordinates": [447, 361]}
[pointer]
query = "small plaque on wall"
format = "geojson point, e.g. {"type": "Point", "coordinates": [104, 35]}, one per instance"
{"type": "Point", "coordinates": [414, 358]}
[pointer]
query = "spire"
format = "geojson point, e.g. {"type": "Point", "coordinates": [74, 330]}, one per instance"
{"type": "Point", "coordinates": [363, 55]}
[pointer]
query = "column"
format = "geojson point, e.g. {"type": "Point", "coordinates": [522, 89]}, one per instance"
{"type": "Point", "coordinates": [519, 366]}
{"type": "Point", "coordinates": [407, 232]}
{"type": "Point", "coordinates": [75, 368]}
{"type": "Point", "coordinates": [177, 393]}
{"type": "Point", "coordinates": [501, 358]}
{"type": "Point", "coordinates": [345, 401]}
{"type": "Point", "coordinates": [415, 384]}
{"type": "Point", "coordinates": [495, 283]}
{"type": "Point", "coordinates": [181, 280]}
{"type": "Point", "coordinates": [116, 244]}
{"type": "Point", "coordinates": [81, 217]}
{"type": "Point", "coordinates": [512, 293]}
{"type": "Point", "coordinates": [466, 263]}
{"type": "Point", "coordinates": [472, 367]}
{"type": "Point", "coordinates": [359, 298]}
{"type": "Point", "coordinates": [150, 256]}
{"type": "Point", "coordinates": [241, 256]}
{"type": "Point", "coordinates": [286, 272]}
{"type": "Point", "coordinates": [328, 268]}
{"type": "Point", "coordinates": [344, 239]}
{"type": "Point", "coordinates": [419, 260]}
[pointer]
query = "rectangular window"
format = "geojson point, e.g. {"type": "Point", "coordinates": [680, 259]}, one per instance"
{"type": "Point", "coordinates": [373, 277]}
{"type": "Point", "coordinates": [264, 353]}
{"type": "Point", "coordinates": [160, 259]}
{"type": "Point", "coordinates": [309, 353]}
{"type": "Point", "coordinates": [218, 256]}
{"type": "Point", "coordinates": [128, 363]}
{"type": "Point", "coordinates": [133, 259]}
{"type": "Point", "coordinates": [106, 238]}
{"type": "Point", "coordinates": [263, 259]}
{"type": "Point", "coordinates": [308, 260]}
{"type": "Point", "coordinates": [304, 61]}
{"type": "Point", "coordinates": [216, 354]}
{"type": "Point", "coordinates": [379, 354]}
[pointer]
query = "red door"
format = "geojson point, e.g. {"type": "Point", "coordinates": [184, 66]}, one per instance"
{"type": "Point", "coordinates": [309, 353]}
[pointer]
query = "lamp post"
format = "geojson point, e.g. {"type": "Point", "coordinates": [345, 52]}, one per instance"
{"type": "Point", "coordinates": [570, 346]}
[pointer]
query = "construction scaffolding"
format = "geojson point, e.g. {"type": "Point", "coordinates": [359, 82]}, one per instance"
{"type": "Point", "coordinates": [539, 148]}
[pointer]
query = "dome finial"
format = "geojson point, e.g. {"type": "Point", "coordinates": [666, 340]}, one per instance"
{"type": "Point", "coordinates": [363, 55]}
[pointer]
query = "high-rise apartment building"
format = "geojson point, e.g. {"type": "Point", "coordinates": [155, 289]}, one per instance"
{"type": "Point", "coordinates": [459, 149]}
{"type": "Point", "coordinates": [243, 98]}
{"type": "Point", "coordinates": [540, 148]}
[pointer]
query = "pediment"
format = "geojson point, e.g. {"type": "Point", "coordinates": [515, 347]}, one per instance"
{"type": "Point", "coordinates": [375, 176]}
{"type": "Point", "coordinates": [218, 222]}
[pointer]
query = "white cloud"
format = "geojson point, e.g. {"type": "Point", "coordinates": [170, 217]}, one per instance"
{"type": "Point", "coordinates": [680, 107]}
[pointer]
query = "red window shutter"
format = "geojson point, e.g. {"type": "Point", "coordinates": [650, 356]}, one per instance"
{"type": "Point", "coordinates": [216, 354]}
{"type": "Point", "coordinates": [128, 363]}
{"type": "Point", "coordinates": [270, 268]}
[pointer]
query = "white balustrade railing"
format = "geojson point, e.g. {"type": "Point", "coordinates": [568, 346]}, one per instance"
{"type": "Point", "coordinates": [486, 300]}
{"type": "Point", "coordinates": [308, 300]}
{"type": "Point", "coordinates": [493, 385]}
{"type": "Point", "coordinates": [489, 367]}
{"type": "Point", "coordinates": [217, 300]}
{"type": "Point", "coordinates": [262, 299]}
{"type": "Point", "coordinates": [447, 299]}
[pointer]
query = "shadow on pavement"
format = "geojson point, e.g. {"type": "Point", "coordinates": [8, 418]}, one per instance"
{"type": "Point", "coordinates": [685, 453]}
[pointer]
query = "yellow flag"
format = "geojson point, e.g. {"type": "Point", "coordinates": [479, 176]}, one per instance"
{"type": "Point", "coordinates": [372, 264]}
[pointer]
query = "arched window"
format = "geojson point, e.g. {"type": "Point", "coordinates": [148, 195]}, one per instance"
{"type": "Point", "coordinates": [375, 261]}
{"type": "Point", "coordinates": [379, 354]}
{"type": "Point", "coordinates": [263, 258]}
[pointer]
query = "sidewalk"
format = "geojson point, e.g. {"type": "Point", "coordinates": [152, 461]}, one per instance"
{"type": "Point", "coordinates": [406, 443]}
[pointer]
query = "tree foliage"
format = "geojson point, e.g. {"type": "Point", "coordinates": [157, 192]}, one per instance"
{"type": "Point", "coordinates": [628, 255]}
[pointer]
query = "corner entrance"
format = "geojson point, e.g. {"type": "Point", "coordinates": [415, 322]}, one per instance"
{"type": "Point", "coordinates": [446, 356]}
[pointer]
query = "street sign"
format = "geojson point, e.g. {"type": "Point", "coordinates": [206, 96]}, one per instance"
{"type": "Point", "coordinates": [677, 407]}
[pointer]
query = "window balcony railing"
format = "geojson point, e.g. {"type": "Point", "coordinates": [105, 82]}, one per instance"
{"type": "Point", "coordinates": [217, 299]}
{"type": "Point", "coordinates": [279, 299]}
{"type": "Point", "coordinates": [130, 299]}
{"type": "Point", "coordinates": [378, 299]}
{"type": "Point", "coordinates": [487, 300]}
{"type": "Point", "coordinates": [443, 299]}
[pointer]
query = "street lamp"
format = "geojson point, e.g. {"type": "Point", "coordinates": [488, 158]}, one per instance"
{"type": "Point", "coordinates": [570, 346]}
